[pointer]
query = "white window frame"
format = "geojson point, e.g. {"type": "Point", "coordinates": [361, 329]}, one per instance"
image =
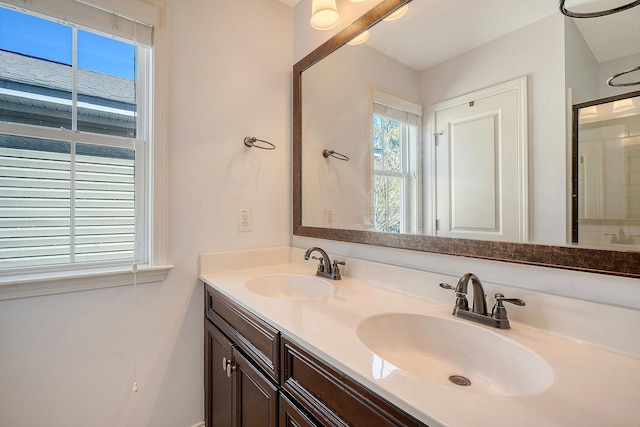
{"type": "Point", "coordinates": [411, 168]}
{"type": "Point", "coordinates": [152, 166]}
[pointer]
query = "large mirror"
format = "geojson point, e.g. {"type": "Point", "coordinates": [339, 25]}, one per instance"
{"type": "Point", "coordinates": [456, 122]}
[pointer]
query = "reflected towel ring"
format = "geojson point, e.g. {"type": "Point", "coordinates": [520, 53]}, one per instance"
{"type": "Point", "coordinates": [334, 154]}
{"type": "Point", "coordinates": [610, 82]}
{"type": "Point", "coordinates": [250, 141]}
{"type": "Point", "coordinates": [598, 13]}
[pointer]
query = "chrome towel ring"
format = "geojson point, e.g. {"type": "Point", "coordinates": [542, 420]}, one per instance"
{"type": "Point", "coordinates": [334, 154]}
{"type": "Point", "coordinates": [611, 11]}
{"type": "Point", "coordinates": [250, 141]}
{"type": "Point", "coordinates": [611, 82]}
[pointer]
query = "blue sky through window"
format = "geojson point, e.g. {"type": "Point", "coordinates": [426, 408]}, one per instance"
{"type": "Point", "coordinates": [51, 41]}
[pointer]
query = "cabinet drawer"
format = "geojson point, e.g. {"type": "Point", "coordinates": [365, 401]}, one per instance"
{"type": "Point", "coordinates": [252, 335]}
{"type": "Point", "coordinates": [291, 416]}
{"type": "Point", "coordinates": [333, 398]}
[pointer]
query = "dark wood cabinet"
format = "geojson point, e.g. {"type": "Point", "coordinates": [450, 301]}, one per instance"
{"type": "Point", "coordinates": [255, 397]}
{"type": "Point", "coordinates": [292, 416]}
{"type": "Point", "coordinates": [218, 385]}
{"type": "Point", "coordinates": [255, 377]}
{"type": "Point", "coordinates": [332, 397]}
{"type": "Point", "coordinates": [236, 393]}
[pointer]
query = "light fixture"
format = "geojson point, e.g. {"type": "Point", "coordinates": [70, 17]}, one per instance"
{"type": "Point", "coordinates": [324, 14]}
{"type": "Point", "coordinates": [398, 13]}
{"type": "Point", "coordinates": [360, 38]}
{"type": "Point", "coordinates": [623, 105]}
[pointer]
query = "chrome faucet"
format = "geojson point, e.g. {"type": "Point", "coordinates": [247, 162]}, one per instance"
{"type": "Point", "coordinates": [325, 267]}
{"type": "Point", "coordinates": [497, 318]}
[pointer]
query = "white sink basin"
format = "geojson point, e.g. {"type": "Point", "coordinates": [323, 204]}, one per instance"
{"type": "Point", "coordinates": [448, 351]}
{"type": "Point", "coordinates": [289, 286]}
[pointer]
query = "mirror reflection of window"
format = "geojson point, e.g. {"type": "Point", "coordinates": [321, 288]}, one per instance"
{"type": "Point", "coordinates": [396, 173]}
{"type": "Point", "coordinates": [608, 173]}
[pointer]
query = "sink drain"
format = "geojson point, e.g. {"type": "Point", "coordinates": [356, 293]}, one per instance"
{"type": "Point", "coordinates": [460, 380]}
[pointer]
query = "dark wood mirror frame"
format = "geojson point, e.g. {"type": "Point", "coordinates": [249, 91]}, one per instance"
{"type": "Point", "coordinates": [617, 263]}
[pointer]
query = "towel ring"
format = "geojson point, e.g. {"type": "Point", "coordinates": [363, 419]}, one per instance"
{"type": "Point", "coordinates": [334, 154]}
{"type": "Point", "coordinates": [606, 12]}
{"type": "Point", "coordinates": [610, 82]}
{"type": "Point", "coordinates": [250, 141]}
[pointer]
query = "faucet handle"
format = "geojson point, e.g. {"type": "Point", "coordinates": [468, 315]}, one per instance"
{"type": "Point", "coordinates": [461, 299]}
{"type": "Point", "coordinates": [500, 298]}
{"type": "Point", "coordinates": [335, 270]}
{"type": "Point", "coordinates": [499, 312]}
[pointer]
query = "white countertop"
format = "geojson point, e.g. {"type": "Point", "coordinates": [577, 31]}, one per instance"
{"type": "Point", "coordinates": [591, 387]}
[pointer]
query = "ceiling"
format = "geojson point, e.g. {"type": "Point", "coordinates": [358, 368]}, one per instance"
{"type": "Point", "coordinates": [434, 31]}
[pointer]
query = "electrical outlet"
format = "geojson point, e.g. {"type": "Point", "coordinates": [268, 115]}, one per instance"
{"type": "Point", "coordinates": [328, 217]}
{"type": "Point", "coordinates": [244, 220]}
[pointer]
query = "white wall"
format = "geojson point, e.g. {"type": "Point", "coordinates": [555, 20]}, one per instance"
{"type": "Point", "coordinates": [67, 360]}
{"type": "Point", "coordinates": [581, 65]}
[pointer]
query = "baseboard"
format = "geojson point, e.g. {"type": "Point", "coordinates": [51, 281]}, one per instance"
{"type": "Point", "coordinates": [199, 424]}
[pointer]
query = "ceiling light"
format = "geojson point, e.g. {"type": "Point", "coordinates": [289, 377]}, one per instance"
{"type": "Point", "coordinates": [398, 13]}
{"type": "Point", "coordinates": [360, 38]}
{"type": "Point", "coordinates": [324, 14]}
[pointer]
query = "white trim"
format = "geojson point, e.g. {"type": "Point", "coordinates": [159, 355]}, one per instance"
{"type": "Point", "coordinates": [202, 424]}
{"type": "Point", "coordinates": [80, 280]}
{"type": "Point", "coordinates": [158, 176]}
{"type": "Point", "coordinates": [385, 98]}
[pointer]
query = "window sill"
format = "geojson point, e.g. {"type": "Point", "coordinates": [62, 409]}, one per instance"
{"type": "Point", "coordinates": [56, 283]}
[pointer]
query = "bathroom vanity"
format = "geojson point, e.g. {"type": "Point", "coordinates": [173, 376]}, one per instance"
{"type": "Point", "coordinates": [284, 347]}
{"type": "Point", "coordinates": [257, 376]}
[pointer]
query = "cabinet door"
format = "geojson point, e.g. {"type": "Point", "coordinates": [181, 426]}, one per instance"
{"type": "Point", "coordinates": [255, 397]}
{"type": "Point", "coordinates": [291, 416]}
{"type": "Point", "coordinates": [218, 378]}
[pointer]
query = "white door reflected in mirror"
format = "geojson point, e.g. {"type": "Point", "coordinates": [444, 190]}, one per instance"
{"type": "Point", "coordinates": [480, 171]}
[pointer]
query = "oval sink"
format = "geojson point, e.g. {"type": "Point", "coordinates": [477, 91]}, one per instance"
{"type": "Point", "coordinates": [454, 353]}
{"type": "Point", "coordinates": [289, 286]}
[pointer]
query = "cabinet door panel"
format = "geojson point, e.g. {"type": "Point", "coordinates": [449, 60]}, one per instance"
{"type": "Point", "coordinates": [218, 385]}
{"type": "Point", "coordinates": [256, 398]}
